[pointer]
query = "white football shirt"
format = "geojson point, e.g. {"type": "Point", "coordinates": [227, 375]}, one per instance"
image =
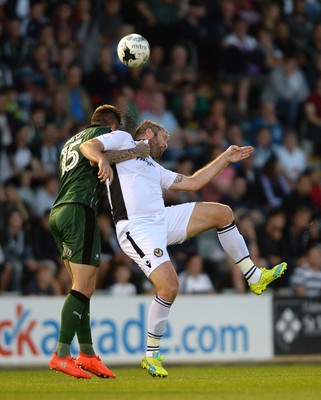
{"type": "Point", "coordinates": [136, 190]}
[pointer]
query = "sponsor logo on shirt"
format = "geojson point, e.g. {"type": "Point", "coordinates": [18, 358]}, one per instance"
{"type": "Point", "coordinates": [146, 160]}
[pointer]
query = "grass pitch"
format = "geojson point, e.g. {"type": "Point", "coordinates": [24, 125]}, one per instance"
{"type": "Point", "coordinates": [237, 382]}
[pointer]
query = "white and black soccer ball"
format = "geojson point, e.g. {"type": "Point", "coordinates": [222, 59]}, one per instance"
{"type": "Point", "coordinates": [133, 50]}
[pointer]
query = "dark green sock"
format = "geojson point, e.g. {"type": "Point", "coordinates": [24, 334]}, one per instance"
{"type": "Point", "coordinates": [84, 332]}
{"type": "Point", "coordinates": [70, 319]}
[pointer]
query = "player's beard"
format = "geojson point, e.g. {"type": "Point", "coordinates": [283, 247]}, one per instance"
{"type": "Point", "coordinates": [156, 152]}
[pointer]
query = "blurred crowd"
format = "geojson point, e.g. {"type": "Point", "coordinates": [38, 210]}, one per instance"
{"type": "Point", "coordinates": [220, 72]}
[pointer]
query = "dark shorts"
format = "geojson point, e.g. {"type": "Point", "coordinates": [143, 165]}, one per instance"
{"type": "Point", "coordinates": [75, 230]}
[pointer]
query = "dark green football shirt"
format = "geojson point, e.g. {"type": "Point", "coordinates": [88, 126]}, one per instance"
{"type": "Point", "coordinates": [78, 179]}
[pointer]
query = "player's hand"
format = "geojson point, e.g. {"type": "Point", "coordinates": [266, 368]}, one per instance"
{"type": "Point", "coordinates": [104, 171]}
{"type": "Point", "coordinates": [142, 149]}
{"type": "Point", "coordinates": [236, 153]}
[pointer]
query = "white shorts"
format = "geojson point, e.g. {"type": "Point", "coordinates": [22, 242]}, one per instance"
{"type": "Point", "coordinates": [145, 240]}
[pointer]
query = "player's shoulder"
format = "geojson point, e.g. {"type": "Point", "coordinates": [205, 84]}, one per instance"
{"type": "Point", "coordinates": [124, 134]}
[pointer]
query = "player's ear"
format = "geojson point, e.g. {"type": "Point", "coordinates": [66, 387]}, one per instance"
{"type": "Point", "coordinates": [149, 133]}
{"type": "Point", "coordinates": [115, 126]}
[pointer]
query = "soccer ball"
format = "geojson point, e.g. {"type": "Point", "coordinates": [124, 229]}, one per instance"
{"type": "Point", "coordinates": [133, 50]}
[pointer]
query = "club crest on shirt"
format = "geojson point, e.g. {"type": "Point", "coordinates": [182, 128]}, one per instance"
{"type": "Point", "coordinates": [67, 250]}
{"type": "Point", "coordinates": [158, 252]}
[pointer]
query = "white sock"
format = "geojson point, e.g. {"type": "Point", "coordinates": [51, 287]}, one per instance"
{"type": "Point", "coordinates": [157, 318]}
{"type": "Point", "coordinates": [234, 245]}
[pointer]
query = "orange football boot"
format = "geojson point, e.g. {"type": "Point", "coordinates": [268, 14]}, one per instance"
{"type": "Point", "coordinates": [68, 365]}
{"type": "Point", "coordinates": [93, 363]}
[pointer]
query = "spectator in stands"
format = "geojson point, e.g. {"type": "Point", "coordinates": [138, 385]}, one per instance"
{"type": "Point", "coordinates": [287, 87]}
{"type": "Point", "coordinates": [159, 20]}
{"type": "Point", "coordinates": [7, 122]}
{"type": "Point", "coordinates": [283, 39]}
{"type": "Point", "coordinates": [299, 23]}
{"type": "Point", "coordinates": [291, 157]}
{"type": "Point", "coordinates": [236, 197]}
{"type": "Point", "coordinates": [57, 112]}
{"type": "Point", "coordinates": [193, 31]}
{"type": "Point", "coordinates": [297, 237]}
{"type": "Point", "coordinates": [225, 18]}
{"type": "Point", "coordinates": [38, 121]}
{"type": "Point", "coordinates": [15, 48]}
{"type": "Point", "coordinates": [313, 47]}
{"type": "Point", "coordinates": [47, 150]}
{"type": "Point", "coordinates": [122, 285]}
{"type": "Point", "coordinates": [63, 23]}
{"type": "Point", "coordinates": [180, 70]}
{"type": "Point", "coordinates": [45, 196]}
{"type": "Point", "coordinates": [110, 18]}
{"type": "Point", "coordinates": [43, 245]}
{"type": "Point", "coordinates": [36, 21]}
{"type": "Point", "coordinates": [13, 200]}
{"type": "Point", "coordinates": [156, 64]}
{"type": "Point", "coordinates": [264, 148]}
{"type": "Point", "coordinates": [241, 59]}
{"type": "Point", "coordinates": [43, 283]}
{"type": "Point", "coordinates": [47, 38]}
{"type": "Point", "coordinates": [234, 135]}
{"type": "Point", "coordinates": [25, 165]}
{"type": "Point", "coordinates": [77, 100]}
{"type": "Point", "coordinates": [273, 185]}
{"type": "Point", "coordinates": [306, 278]}
{"type": "Point", "coordinates": [226, 90]}
{"type": "Point", "coordinates": [312, 109]}
{"type": "Point", "coordinates": [216, 117]}
{"type": "Point", "coordinates": [67, 56]}
{"type": "Point", "coordinates": [194, 280]}
{"type": "Point", "coordinates": [17, 250]}
{"type": "Point", "coordinates": [271, 15]}
{"type": "Point", "coordinates": [103, 82]}
{"type": "Point", "coordinates": [299, 196]}
{"type": "Point", "coordinates": [270, 237]}
{"type": "Point", "coordinates": [147, 86]}
{"type": "Point", "coordinates": [271, 54]}
{"type": "Point", "coordinates": [267, 118]}
{"type": "Point", "coordinates": [159, 113]}
{"type": "Point", "coordinates": [194, 138]}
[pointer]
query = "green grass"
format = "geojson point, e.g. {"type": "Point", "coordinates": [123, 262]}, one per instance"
{"type": "Point", "coordinates": [240, 382]}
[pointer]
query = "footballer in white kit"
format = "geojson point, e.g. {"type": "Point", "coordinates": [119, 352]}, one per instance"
{"type": "Point", "coordinates": [143, 232]}
{"type": "Point", "coordinates": [145, 227]}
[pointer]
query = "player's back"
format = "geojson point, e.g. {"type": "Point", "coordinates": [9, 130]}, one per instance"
{"type": "Point", "coordinates": [78, 179]}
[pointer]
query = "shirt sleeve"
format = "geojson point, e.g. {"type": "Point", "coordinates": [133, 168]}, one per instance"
{"type": "Point", "coordinates": [167, 177]}
{"type": "Point", "coordinates": [116, 140]}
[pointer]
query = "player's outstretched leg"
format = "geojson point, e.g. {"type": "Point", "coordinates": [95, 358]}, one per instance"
{"type": "Point", "coordinates": [154, 365]}
{"type": "Point", "coordinates": [68, 366]}
{"type": "Point", "coordinates": [93, 363]}
{"type": "Point", "coordinates": [268, 276]}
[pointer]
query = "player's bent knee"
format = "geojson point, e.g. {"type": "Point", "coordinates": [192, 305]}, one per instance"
{"type": "Point", "coordinates": [226, 215]}
{"type": "Point", "coordinates": [169, 292]}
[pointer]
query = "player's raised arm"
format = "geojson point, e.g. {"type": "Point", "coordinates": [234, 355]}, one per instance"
{"type": "Point", "coordinates": [116, 156]}
{"type": "Point", "coordinates": [93, 150]}
{"type": "Point", "coordinates": [204, 175]}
